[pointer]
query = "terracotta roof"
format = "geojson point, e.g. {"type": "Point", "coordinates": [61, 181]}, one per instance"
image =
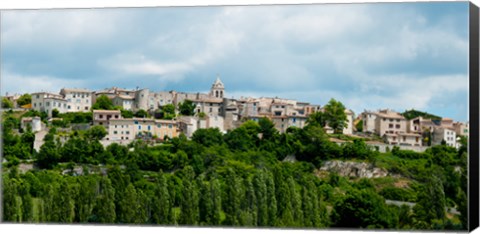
{"type": "Point", "coordinates": [76, 90]}
{"type": "Point", "coordinates": [107, 111]}
{"type": "Point", "coordinates": [125, 97]}
{"type": "Point", "coordinates": [409, 134]}
{"type": "Point", "coordinates": [392, 115]}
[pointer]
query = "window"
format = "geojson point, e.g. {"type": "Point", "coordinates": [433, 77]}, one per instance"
{"type": "Point", "coordinates": [100, 116]}
{"type": "Point", "coordinates": [159, 125]}
{"type": "Point", "coordinates": [210, 109]}
{"type": "Point", "coordinates": [148, 127]}
{"type": "Point", "coordinates": [390, 126]}
{"type": "Point", "coordinates": [34, 104]}
{"type": "Point", "coordinates": [404, 138]}
{"type": "Point", "coordinates": [394, 138]}
{"type": "Point", "coordinates": [397, 126]}
{"type": "Point", "coordinates": [139, 127]}
{"type": "Point", "coordinates": [78, 108]}
{"type": "Point", "coordinates": [294, 120]}
{"type": "Point", "coordinates": [86, 108]}
{"type": "Point", "coordinates": [115, 132]}
{"type": "Point", "coordinates": [416, 139]}
{"type": "Point", "coordinates": [127, 132]}
{"type": "Point", "coordinates": [169, 125]}
{"type": "Point", "coordinates": [116, 116]}
{"type": "Point", "coordinates": [47, 103]}
{"type": "Point", "coordinates": [115, 126]}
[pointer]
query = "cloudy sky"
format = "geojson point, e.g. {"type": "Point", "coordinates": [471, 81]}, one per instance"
{"type": "Point", "coordinates": [368, 56]}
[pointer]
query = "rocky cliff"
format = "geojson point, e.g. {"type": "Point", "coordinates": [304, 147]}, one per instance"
{"type": "Point", "coordinates": [353, 169]}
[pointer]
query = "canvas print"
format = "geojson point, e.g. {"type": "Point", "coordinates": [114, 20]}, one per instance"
{"type": "Point", "coordinates": [323, 116]}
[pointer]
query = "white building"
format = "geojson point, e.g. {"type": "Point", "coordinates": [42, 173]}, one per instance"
{"type": "Point", "coordinates": [47, 102]}
{"type": "Point", "coordinates": [78, 100]}
{"type": "Point", "coordinates": [126, 102]}
{"type": "Point", "coordinates": [368, 119]}
{"type": "Point", "coordinates": [444, 134]}
{"type": "Point", "coordinates": [34, 122]}
{"type": "Point", "coordinates": [348, 129]}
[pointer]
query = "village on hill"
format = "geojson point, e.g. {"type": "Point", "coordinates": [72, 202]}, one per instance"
{"type": "Point", "coordinates": [140, 114]}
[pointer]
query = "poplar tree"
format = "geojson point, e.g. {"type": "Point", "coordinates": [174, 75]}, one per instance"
{"type": "Point", "coordinates": [216, 196]}
{"type": "Point", "coordinates": [260, 189]}
{"type": "Point", "coordinates": [162, 205]}
{"type": "Point", "coordinates": [189, 201]}
{"type": "Point", "coordinates": [271, 200]}
{"type": "Point", "coordinates": [105, 202]}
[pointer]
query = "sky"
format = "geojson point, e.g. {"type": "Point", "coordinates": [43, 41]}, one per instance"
{"type": "Point", "coordinates": [368, 56]}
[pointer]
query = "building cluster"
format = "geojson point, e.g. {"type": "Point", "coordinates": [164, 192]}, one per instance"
{"type": "Point", "coordinates": [212, 109]}
{"type": "Point", "coordinates": [397, 130]}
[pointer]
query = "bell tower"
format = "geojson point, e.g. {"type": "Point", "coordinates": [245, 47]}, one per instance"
{"type": "Point", "coordinates": [217, 90]}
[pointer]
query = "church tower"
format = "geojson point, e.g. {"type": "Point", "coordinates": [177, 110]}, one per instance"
{"type": "Point", "coordinates": [217, 90]}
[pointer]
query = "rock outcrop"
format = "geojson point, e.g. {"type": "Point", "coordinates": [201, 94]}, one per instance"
{"type": "Point", "coordinates": [354, 169]}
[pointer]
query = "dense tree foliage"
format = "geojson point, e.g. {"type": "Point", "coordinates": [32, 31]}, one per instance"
{"type": "Point", "coordinates": [6, 103]}
{"type": "Point", "coordinates": [24, 99]}
{"type": "Point", "coordinates": [335, 116]}
{"type": "Point", "coordinates": [103, 103]}
{"type": "Point", "coordinates": [232, 179]}
{"type": "Point", "coordinates": [187, 108]}
{"type": "Point", "coordinates": [411, 114]}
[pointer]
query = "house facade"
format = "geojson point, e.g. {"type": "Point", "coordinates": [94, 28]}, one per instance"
{"type": "Point", "coordinates": [78, 100]}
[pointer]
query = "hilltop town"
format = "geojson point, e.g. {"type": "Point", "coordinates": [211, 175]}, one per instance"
{"type": "Point", "coordinates": [87, 156]}
{"type": "Point", "coordinates": [142, 114]}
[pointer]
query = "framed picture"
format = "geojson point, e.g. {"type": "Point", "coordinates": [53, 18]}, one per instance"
{"type": "Point", "coordinates": [323, 116]}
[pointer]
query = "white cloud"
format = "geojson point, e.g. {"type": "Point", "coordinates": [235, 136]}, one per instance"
{"type": "Point", "coordinates": [17, 83]}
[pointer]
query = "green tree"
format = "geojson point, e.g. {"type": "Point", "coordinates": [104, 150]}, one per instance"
{"type": "Point", "coordinates": [12, 204]}
{"type": "Point", "coordinates": [232, 198]}
{"type": "Point", "coordinates": [189, 203]}
{"type": "Point", "coordinates": [86, 198]}
{"type": "Point", "coordinates": [167, 111]}
{"type": "Point", "coordinates": [103, 103]}
{"type": "Point", "coordinates": [65, 203]}
{"type": "Point", "coordinates": [127, 114]}
{"type": "Point", "coordinates": [128, 206]}
{"type": "Point", "coordinates": [27, 201]}
{"type": "Point", "coordinates": [335, 115]}
{"type": "Point", "coordinates": [431, 200]}
{"type": "Point", "coordinates": [55, 113]}
{"type": "Point", "coordinates": [187, 108]}
{"type": "Point", "coordinates": [24, 99]}
{"type": "Point", "coordinates": [141, 114]}
{"type": "Point", "coordinates": [96, 133]}
{"type": "Point", "coordinates": [359, 126]}
{"type": "Point", "coordinates": [48, 156]}
{"type": "Point", "coordinates": [318, 118]}
{"type": "Point", "coordinates": [162, 205]}
{"type": "Point", "coordinates": [361, 208]}
{"type": "Point", "coordinates": [6, 103]}
{"type": "Point", "coordinates": [105, 202]}
{"type": "Point", "coordinates": [208, 136]}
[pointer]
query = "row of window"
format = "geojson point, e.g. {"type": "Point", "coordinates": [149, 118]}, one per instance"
{"type": "Point", "coordinates": [391, 120]}
{"type": "Point", "coordinates": [80, 95]}
{"type": "Point", "coordinates": [149, 126]}
{"type": "Point", "coordinates": [396, 126]}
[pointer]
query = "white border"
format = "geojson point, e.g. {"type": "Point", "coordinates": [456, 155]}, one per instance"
{"type": "Point", "coordinates": [52, 4]}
